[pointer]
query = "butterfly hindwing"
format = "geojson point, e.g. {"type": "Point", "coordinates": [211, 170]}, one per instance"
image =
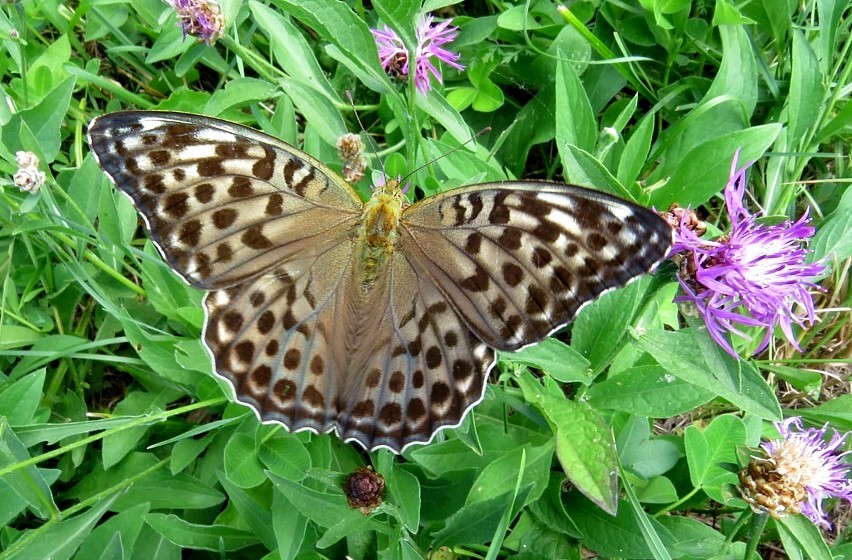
{"type": "Point", "coordinates": [302, 348]}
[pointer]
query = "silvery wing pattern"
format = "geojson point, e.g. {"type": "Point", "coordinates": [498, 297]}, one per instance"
{"type": "Point", "coordinates": [378, 321]}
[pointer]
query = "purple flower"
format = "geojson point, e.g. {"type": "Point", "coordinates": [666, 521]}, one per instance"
{"type": "Point", "coordinates": [394, 56]}
{"type": "Point", "coordinates": [797, 473]}
{"type": "Point", "coordinates": [753, 276]}
{"type": "Point", "coordinates": [200, 18]}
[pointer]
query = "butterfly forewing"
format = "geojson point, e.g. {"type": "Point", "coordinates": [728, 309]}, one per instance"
{"type": "Point", "coordinates": [321, 323]}
{"type": "Point", "coordinates": [223, 203]}
{"type": "Point", "coordinates": [518, 260]}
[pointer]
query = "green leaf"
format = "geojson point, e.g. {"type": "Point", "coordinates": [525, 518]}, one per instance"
{"type": "Point", "coordinates": [238, 93]}
{"type": "Point", "coordinates": [838, 411]}
{"type": "Point", "coordinates": [737, 75]}
{"type": "Point", "coordinates": [326, 509]}
{"type": "Point", "coordinates": [550, 509]}
{"type": "Point", "coordinates": [51, 433]}
{"type": "Point", "coordinates": [738, 382]}
{"type": "Point", "coordinates": [704, 171]}
{"type": "Point", "coordinates": [584, 443]}
{"type": "Point", "coordinates": [715, 118]}
{"type": "Point", "coordinates": [446, 494]}
{"type": "Point", "coordinates": [317, 108]}
{"type": "Point", "coordinates": [584, 170]}
{"type": "Point", "coordinates": [708, 450]}
{"type": "Point", "coordinates": [285, 455]}
{"type": "Point", "coordinates": [289, 527]}
{"type": "Point", "coordinates": [116, 446]}
{"type": "Point", "coordinates": [635, 152]}
{"type": "Point", "coordinates": [356, 44]}
{"type": "Point", "coordinates": [152, 544]}
{"type": "Point", "coordinates": [462, 166]}
{"type": "Point", "coordinates": [437, 107]}
{"type": "Point", "coordinates": [533, 124]}
{"type": "Point", "coordinates": [49, 68]}
{"type": "Point", "coordinates": [29, 482]}
{"type": "Point", "coordinates": [123, 527]}
{"type": "Point", "coordinates": [178, 492]}
{"type": "Point", "coordinates": [503, 473]}
{"type": "Point", "coordinates": [215, 538]}
{"type": "Point", "coordinates": [170, 42]}
{"type": "Point", "coordinates": [474, 523]}
{"type": "Point", "coordinates": [460, 98]}
{"type": "Point", "coordinates": [346, 527]}
{"type": "Point", "coordinates": [601, 326]}
{"type": "Point", "coordinates": [254, 514]}
{"type": "Point", "coordinates": [19, 400]}
{"type": "Point", "coordinates": [554, 357]}
{"type": "Point", "coordinates": [43, 121]}
{"type": "Point", "coordinates": [727, 14]}
{"type": "Point", "coordinates": [642, 453]}
{"type": "Point", "coordinates": [615, 535]}
{"type": "Point", "coordinates": [691, 538]}
{"type": "Point", "coordinates": [832, 242]}
{"type": "Point", "coordinates": [404, 489]}
{"type": "Point", "coordinates": [658, 490]}
{"type": "Point", "coordinates": [399, 15]}
{"type": "Point", "coordinates": [518, 18]}
{"type": "Point", "coordinates": [242, 466]}
{"type": "Point", "coordinates": [489, 97]}
{"type": "Point", "coordinates": [807, 91]}
{"type": "Point", "coordinates": [291, 50]}
{"type": "Point", "coordinates": [60, 540]}
{"type": "Point", "coordinates": [648, 391]}
{"type": "Point", "coordinates": [151, 483]}
{"type": "Point", "coordinates": [798, 533]}
{"type": "Point", "coordinates": [112, 549]}
{"type": "Point", "coordinates": [575, 121]}
{"type": "Point", "coordinates": [186, 451]}
{"type": "Point", "coordinates": [81, 192]}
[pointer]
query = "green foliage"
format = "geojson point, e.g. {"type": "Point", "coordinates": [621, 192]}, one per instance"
{"type": "Point", "coordinates": [116, 440]}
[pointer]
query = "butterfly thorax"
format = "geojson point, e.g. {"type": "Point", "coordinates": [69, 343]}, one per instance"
{"type": "Point", "coordinates": [378, 233]}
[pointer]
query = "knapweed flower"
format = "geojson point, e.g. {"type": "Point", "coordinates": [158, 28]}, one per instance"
{"type": "Point", "coordinates": [350, 149]}
{"type": "Point", "coordinates": [394, 56]}
{"type": "Point", "coordinates": [797, 473]}
{"type": "Point", "coordinates": [28, 178]}
{"type": "Point", "coordinates": [364, 489]}
{"type": "Point", "coordinates": [755, 275]}
{"type": "Point", "coordinates": [200, 18]}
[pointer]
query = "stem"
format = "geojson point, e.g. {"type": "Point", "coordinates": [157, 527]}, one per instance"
{"type": "Point", "coordinates": [758, 522]}
{"type": "Point", "coordinates": [677, 504]}
{"type": "Point", "coordinates": [141, 421]}
{"type": "Point", "coordinates": [35, 533]}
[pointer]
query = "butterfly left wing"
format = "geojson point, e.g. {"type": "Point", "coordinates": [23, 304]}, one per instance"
{"type": "Point", "coordinates": [518, 260]}
{"type": "Point", "coordinates": [224, 203]}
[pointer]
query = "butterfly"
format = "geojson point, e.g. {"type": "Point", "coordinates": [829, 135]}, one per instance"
{"type": "Point", "coordinates": [379, 320]}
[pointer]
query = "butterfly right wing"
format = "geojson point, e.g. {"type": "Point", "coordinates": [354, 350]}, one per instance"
{"type": "Point", "coordinates": [223, 203]}
{"type": "Point", "coordinates": [518, 260]}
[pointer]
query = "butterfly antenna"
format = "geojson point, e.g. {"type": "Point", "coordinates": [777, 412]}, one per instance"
{"type": "Point", "coordinates": [485, 130]}
{"type": "Point", "coordinates": [374, 147]}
